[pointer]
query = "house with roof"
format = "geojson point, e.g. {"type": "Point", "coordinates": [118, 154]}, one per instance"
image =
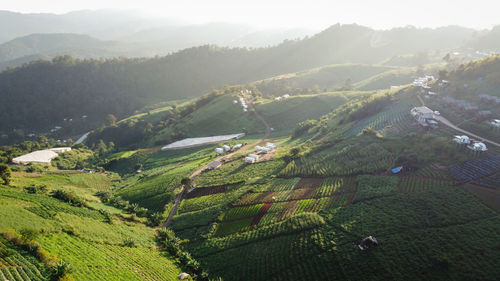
{"type": "Point", "coordinates": [423, 115]}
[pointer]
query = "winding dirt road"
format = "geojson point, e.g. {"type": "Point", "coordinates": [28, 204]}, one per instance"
{"type": "Point", "coordinates": [448, 123]}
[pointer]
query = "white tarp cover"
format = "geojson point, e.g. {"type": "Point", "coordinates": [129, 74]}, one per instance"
{"type": "Point", "coordinates": [191, 142]}
{"type": "Point", "coordinates": [39, 156]}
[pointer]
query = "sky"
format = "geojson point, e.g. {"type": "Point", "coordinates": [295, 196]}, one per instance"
{"type": "Point", "coordinates": [380, 14]}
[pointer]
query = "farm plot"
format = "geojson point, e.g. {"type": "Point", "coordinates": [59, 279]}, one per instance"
{"type": "Point", "coordinates": [279, 184]}
{"type": "Point", "coordinates": [17, 264]}
{"type": "Point", "coordinates": [95, 261]}
{"type": "Point", "coordinates": [204, 191]}
{"type": "Point", "coordinates": [417, 184]}
{"type": "Point", "coordinates": [476, 168]}
{"type": "Point", "coordinates": [432, 172]}
{"type": "Point", "coordinates": [375, 186]}
{"type": "Point", "coordinates": [352, 159]}
{"type": "Point", "coordinates": [396, 114]}
{"type": "Point", "coordinates": [333, 186]}
{"type": "Point", "coordinates": [491, 181]}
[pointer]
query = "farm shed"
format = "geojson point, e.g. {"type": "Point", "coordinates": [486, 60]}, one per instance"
{"type": "Point", "coordinates": [219, 150]}
{"type": "Point", "coordinates": [478, 146]}
{"type": "Point", "coordinates": [461, 139]}
{"type": "Point", "coordinates": [251, 158]}
{"type": "Point", "coordinates": [193, 142]}
{"type": "Point", "coordinates": [226, 148]}
{"type": "Point", "coordinates": [183, 276]}
{"type": "Point", "coordinates": [237, 146]}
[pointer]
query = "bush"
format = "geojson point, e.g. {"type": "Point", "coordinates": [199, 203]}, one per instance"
{"type": "Point", "coordinates": [36, 189]}
{"type": "Point", "coordinates": [155, 219]}
{"type": "Point", "coordinates": [129, 242]}
{"type": "Point", "coordinates": [68, 197]}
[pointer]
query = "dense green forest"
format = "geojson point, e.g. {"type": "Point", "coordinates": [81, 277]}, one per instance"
{"type": "Point", "coordinates": [41, 94]}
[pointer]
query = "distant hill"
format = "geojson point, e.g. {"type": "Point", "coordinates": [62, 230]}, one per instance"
{"type": "Point", "coordinates": [57, 44]}
{"type": "Point", "coordinates": [40, 95]}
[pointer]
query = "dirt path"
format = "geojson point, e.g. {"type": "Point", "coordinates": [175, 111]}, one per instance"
{"type": "Point", "coordinates": [453, 126]}
{"type": "Point", "coordinates": [198, 172]}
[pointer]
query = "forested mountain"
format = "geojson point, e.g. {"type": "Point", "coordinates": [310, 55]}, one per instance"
{"type": "Point", "coordinates": [40, 95]}
{"type": "Point", "coordinates": [77, 45]}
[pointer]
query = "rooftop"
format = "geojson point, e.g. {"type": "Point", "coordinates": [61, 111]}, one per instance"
{"type": "Point", "coordinates": [191, 142]}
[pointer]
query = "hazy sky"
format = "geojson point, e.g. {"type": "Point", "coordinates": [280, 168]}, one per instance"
{"type": "Point", "coordinates": [290, 13]}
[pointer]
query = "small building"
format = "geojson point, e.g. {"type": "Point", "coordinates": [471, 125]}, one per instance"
{"type": "Point", "coordinates": [60, 149]}
{"type": "Point", "coordinates": [270, 145]}
{"type": "Point", "coordinates": [484, 114]}
{"type": "Point", "coordinates": [214, 164]}
{"type": "Point", "coordinates": [462, 139]}
{"type": "Point", "coordinates": [424, 116]}
{"type": "Point", "coordinates": [219, 150]}
{"type": "Point", "coordinates": [368, 243]}
{"type": "Point", "coordinates": [85, 170]}
{"type": "Point", "coordinates": [285, 96]}
{"type": "Point", "coordinates": [251, 158]}
{"type": "Point", "coordinates": [183, 276]}
{"type": "Point", "coordinates": [226, 148]}
{"type": "Point", "coordinates": [237, 146]}
{"type": "Point", "coordinates": [495, 123]}
{"type": "Point", "coordinates": [262, 149]}
{"type": "Point", "coordinates": [478, 146]}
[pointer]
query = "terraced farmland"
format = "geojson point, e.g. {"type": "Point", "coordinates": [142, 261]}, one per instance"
{"type": "Point", "coordinates": [17, 264]}
{"type": "Point", "coordinates": [476, 169]}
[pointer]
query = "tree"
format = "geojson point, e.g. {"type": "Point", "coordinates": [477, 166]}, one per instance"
{"type": "Point", "coordinates": [443, 74]}
{"type": "Point", "coordinates": [5, 173]}
{"type": "Point", "coordinates": [347, 85]}
{"type": "Point", "coordinates": [186, 182]}
{"type": "Point", "coordinates": [110, 120]}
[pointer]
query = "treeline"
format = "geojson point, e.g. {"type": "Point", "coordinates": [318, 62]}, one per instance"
{"type": "Point", "coordinates": [41, 94]}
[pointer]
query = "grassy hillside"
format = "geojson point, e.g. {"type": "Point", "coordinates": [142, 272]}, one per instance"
{"type": "Point", "coordinates": [96, 244]}
{"type": "Point", "coordinates": [302, 213]}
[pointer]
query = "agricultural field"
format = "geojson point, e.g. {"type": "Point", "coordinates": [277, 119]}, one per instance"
{"type": "Point", "coordinates": [94, 245]}
{"type": "Point", "coordinates": [437, 217]}
{"type": "Point", "coordinates": [18, 264]}
{"type": "Point", "coordinates": [396, 118]}
{"type": "Point", "coordinates": [82, 184]}
{"type": "Point", "coordinates": [476, 169]}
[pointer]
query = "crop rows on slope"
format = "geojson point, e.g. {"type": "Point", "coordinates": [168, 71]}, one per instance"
{"type": "Point", "coordinates": [94, 261]}
{"type": "Point", "coordinates": [432, 172]}
{"type": "Point", "coordinates": [351, 160]}
{"type": "Point", "coordinates": [491, 181]}
{"type": "Point", "coordinates": [477, 168]}
{"type": "Point", "coordinates": [417, 184]}
{"type": "Point", "coordinates": [398, 113]}
{"type": "Point", "coordinates": [17, 267]}
{"type": "Point", "coordinates": [268, 207]}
